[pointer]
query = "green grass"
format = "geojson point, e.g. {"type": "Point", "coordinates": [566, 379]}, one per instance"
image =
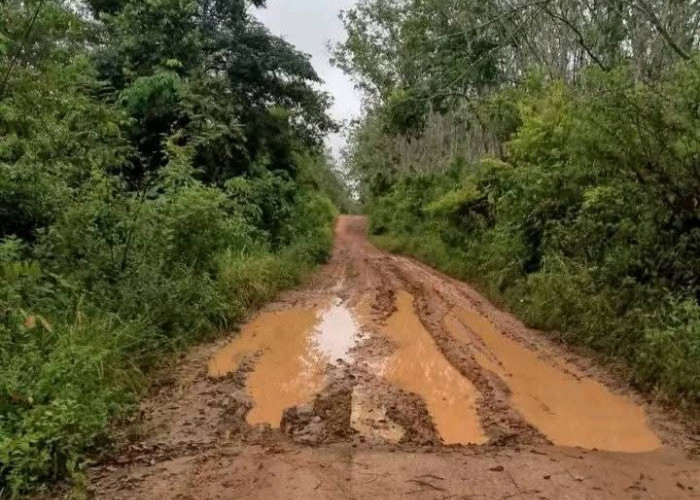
{"type": "Point", "coordinates": [81, 366]}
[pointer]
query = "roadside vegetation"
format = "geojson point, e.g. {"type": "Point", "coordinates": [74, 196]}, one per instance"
{"type": "Point", "coordinates": [161, 174]}
{"type": "Point", "coordinates": [548, 152]}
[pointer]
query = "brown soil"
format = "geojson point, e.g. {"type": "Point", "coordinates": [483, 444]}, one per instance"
{"type": "Point", "coordinates": [528, 417]}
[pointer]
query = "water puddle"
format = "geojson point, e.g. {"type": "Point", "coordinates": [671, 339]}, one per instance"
{"type": "Point", "coordinates": [337, 333]}
{"type": "Point", "coordinates": [293, 349]}
{"type": "Point", "coordinates": [418, 366]}
{"type": "Point", "coordinates": [287, 373]}
{"type": "Point", "coordinates": [569, 411]}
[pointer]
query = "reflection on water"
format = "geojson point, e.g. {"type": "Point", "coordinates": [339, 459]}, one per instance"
{"type": "Point", "coordinates": [337, 332]}
{"type": "Point", "coordinates": [418, 366]}
{"type": "Point", "coordinates": [569, 411]}
{"type": "Point", "coordinates": [293, 348]}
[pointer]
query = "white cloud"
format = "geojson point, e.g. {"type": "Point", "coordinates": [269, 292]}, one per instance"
{"type": "Point", "coordinates": [310, 25]}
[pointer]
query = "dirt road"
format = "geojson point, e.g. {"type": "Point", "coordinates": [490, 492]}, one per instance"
{"type": "Point", "coordinates": [384, 379]}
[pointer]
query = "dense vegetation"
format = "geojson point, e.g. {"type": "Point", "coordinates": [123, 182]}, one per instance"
{"type": "Point", "coordinates": [161, 173]}
{"type": "Point", "coordinates": [549, 152]}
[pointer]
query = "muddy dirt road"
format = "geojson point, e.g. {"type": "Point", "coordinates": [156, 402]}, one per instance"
{"type": "Point", "coordinates": [384, 379]}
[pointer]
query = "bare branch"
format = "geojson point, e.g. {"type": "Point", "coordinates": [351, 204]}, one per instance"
{"type": "Point", "coordinates": [579, 35]}
{"type": "Point", "coordinates": [643, 7]}
{"type": "Point", "coordinates": [15, 56]}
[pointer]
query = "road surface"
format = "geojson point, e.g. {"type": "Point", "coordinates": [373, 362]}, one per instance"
{"type": "Point", "coordinates": [384, 379]}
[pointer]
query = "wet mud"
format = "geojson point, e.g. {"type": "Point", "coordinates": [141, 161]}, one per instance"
{"type": "Point", "coordinates": [418, 366]}
{"type": "Point", "coordinates": [382, 378]}
{"type": "Point", "coordinates": [291, 350]}
{"type": "Point", "coordinates": [570, 410]}
{"type": "Point", "coordinates": [287, 371]}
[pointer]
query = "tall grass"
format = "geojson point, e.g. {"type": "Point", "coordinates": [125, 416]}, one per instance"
{"type": "Point", "coordinates": [76, 348]}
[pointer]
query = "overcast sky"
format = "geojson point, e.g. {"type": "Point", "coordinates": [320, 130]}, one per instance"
{"type": "Point", "coordinates": [310, 25]}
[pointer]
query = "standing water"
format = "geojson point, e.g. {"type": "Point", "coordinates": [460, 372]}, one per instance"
{"type": "Point", "coordinates": [418, 366]}
{"type": "Point", "coordinates": [292, 348]}
{"type": "Point", "coordinates": [569, 410]}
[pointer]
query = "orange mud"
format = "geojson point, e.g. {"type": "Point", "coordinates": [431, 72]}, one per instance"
{"type": "Point", "coordinates": [292, 348]}
{"type": "Point", "coordinates": [288, 371]}
{"type": "Point", "coordinates": [352, 386]}
{"type": "Point", "coordinates": [418, 366]}
{"type": "Point", "coordinates": [569, 410]}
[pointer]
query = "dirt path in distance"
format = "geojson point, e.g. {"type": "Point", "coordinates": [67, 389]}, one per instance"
{"type": "Point", "coordinates": [384, 379]}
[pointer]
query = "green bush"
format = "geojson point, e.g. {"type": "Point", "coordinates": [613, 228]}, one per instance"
{"type": "Point", "coordinates": [162, 174]}
{"type": "Point", "coordinates": [75, 347]}
{"type": "Point", "coordinates": [587, 226]}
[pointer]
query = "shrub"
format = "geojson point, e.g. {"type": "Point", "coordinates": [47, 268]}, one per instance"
{"type": "Point", "coordinates": [587, 226]}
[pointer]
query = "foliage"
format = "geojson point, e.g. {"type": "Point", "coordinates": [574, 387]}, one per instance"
{"type": "Point", "coordinates": [439, 50]}
{"type": "Point", "coordinates": [161, 174]}
{"type": "Point", "coordinates": [584, 221]}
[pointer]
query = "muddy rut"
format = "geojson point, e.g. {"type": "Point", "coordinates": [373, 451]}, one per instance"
{"type": "Point", "coordinates": [382, 378]}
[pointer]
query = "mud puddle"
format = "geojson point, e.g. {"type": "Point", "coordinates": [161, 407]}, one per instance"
{"type": "Point", "coordinates": [291, 350]}
{"type": "Point", "coordinates": [569, 410]}
{"type": "Point", "coordinates": [193, 442]}
{"type": "Point", "coordinates": [337, 332]}
{"type": "Point", "coordinates": [418, 366]}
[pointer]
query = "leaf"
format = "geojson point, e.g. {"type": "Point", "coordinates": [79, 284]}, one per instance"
{"type": "Point", "coordinates": [30, 322]}
{"type": "Point", "coordinates": [47, 326]}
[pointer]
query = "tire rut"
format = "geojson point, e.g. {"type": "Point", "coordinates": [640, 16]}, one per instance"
{"type": "Point", "coordinates": [361, 436]}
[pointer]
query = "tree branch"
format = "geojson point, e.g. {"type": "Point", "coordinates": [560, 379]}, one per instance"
{"type": "Point", "coordinates": [579, 35]}
{"type": "Point", "coordinates": [645, 8]}
{"type": "Point", "coordinates": [486, 24]}
{"type": "Point", "coordinates": [13, 61]}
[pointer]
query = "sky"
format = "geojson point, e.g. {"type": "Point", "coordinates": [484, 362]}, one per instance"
{"type": "Point", "coordinates": [310, 25]}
